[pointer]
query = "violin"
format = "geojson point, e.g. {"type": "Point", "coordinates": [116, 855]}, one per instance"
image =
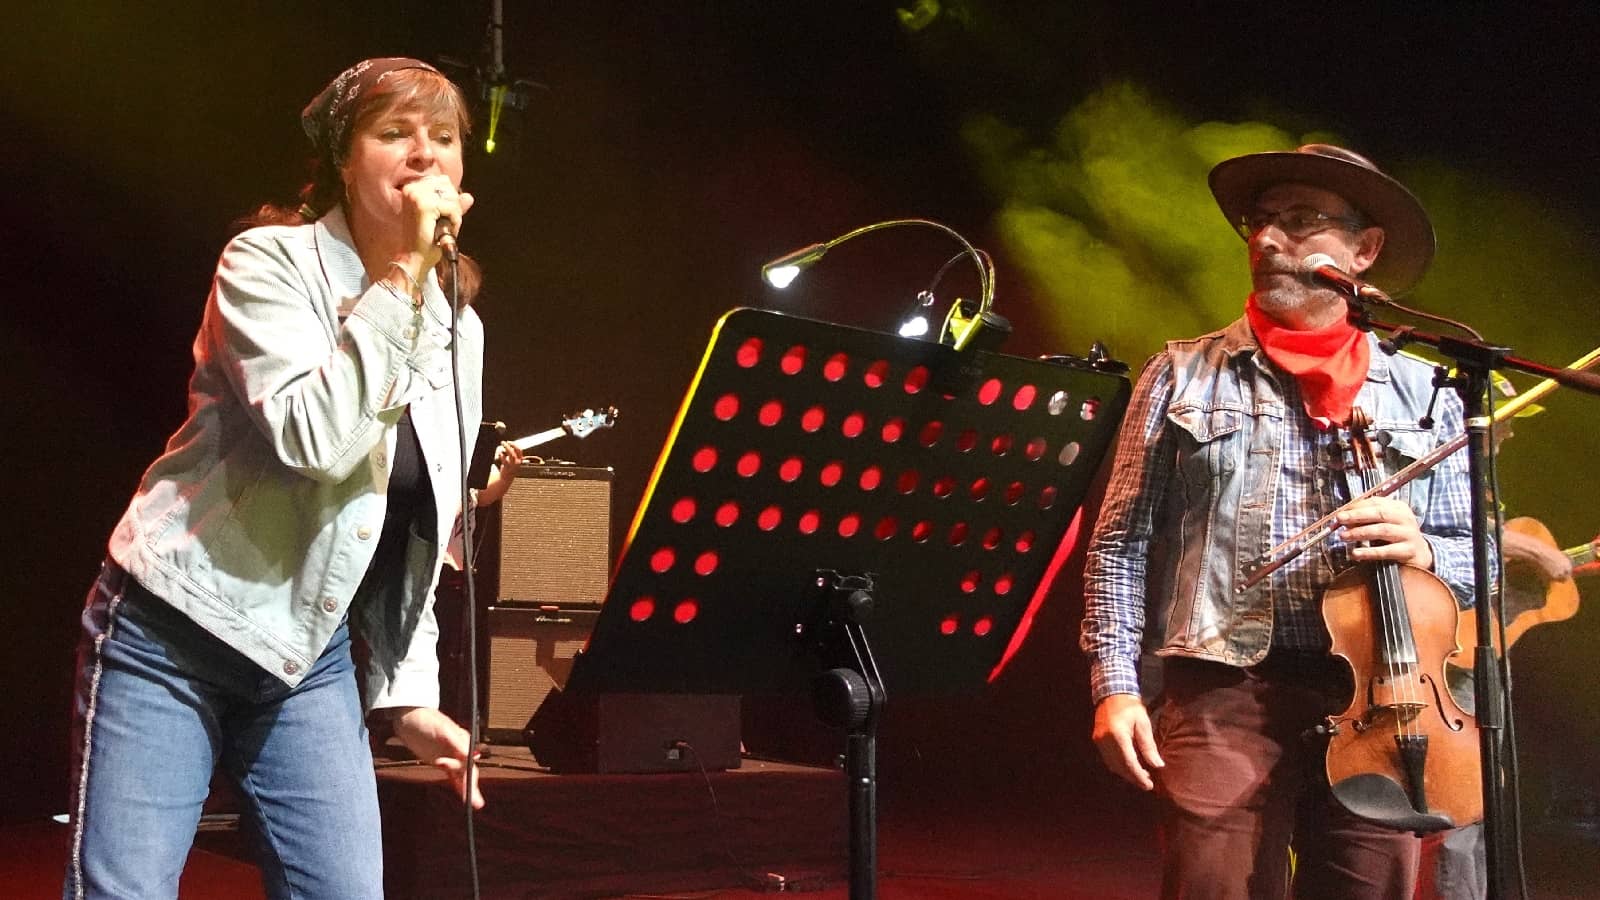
{"type": "Point", "coordinates": [1402, 754]}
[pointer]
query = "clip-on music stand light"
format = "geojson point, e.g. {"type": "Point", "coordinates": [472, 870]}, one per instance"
{"type": "Point", "coordinates": [847, 503]}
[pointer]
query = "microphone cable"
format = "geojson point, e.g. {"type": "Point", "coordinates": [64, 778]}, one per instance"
{"type": "Point", "coordinates": [470, 614]}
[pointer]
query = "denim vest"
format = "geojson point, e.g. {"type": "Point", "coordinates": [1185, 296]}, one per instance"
{"type": "Point", "coordinates": [1228, 414]}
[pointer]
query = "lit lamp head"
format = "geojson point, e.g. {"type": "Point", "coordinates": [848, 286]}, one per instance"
{"type": "Point", "coordinates": [782, 272]}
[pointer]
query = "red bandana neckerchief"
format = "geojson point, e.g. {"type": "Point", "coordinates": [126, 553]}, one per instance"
{"type": "Point", "coordinates": [1330, 363]}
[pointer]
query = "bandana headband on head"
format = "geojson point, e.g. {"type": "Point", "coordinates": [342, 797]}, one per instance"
{"type": "Point", "coordinates": [326, 119]}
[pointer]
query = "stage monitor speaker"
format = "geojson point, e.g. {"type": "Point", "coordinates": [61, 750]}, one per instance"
{"type": "Point", "coordinates": [555, 536]}
{"type": "Point", "coordinates": [635, 733]}
{"type": "Point", "coordinates": [531, 650]}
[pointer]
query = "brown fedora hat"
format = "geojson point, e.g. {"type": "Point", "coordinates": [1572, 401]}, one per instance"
{"type": "Point", "coordinates": [1408, 243]}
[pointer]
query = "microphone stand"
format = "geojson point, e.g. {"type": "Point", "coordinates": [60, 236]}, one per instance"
{"type": "Point", "coordinates": [1474, 361]}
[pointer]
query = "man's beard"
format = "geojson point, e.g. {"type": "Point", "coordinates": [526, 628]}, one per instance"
{"type": "Point", "coordinates": [1285, 290]}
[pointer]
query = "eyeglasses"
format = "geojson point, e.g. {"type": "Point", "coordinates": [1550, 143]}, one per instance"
{"type": "Point", "coordinates": [1296, 221]}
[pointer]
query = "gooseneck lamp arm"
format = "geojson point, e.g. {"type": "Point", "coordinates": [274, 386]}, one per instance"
{"type": "Point", "coordinates": [781, 272]}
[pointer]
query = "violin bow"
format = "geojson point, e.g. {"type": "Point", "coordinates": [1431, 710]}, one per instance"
{"type": "Point", "coordinates": [1317, 531]}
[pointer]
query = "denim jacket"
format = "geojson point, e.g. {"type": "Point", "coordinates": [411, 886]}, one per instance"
{"type": "Point", "coordinates": [261, 516]}
{"type": "Point", "coordinates": [1162, 569]}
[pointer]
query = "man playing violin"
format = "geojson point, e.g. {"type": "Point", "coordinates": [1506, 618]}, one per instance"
{"type": "Point", "coordinates": [1231, 445]}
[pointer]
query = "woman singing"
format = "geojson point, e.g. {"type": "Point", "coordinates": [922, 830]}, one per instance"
{"type": "Point", "coordinates": [308, 496]}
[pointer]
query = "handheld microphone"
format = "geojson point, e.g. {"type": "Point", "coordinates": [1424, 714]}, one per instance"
{"type": "Point", "coordinates": [444, 237]}
{"type": "Point", "coordinates": [1319, 268]}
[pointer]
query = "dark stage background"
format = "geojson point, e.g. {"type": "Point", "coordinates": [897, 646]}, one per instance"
{"type": "Point", "coordinates": [673, 147]}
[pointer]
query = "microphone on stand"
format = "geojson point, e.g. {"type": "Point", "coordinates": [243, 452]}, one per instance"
{"type": "Point", "coordinates": [444, 237]}
{"type": "Point", "coordinates": [1319, 268]}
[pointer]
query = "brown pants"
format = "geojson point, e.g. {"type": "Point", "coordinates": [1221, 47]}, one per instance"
{"type": "Point", "coordinates": [1244, 781]}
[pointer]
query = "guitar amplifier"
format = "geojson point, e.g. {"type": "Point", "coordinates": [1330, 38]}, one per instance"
{"type": "Point", "coordinates": [531, 652]}
{"type": "Point", "coordinates": [555, 536]}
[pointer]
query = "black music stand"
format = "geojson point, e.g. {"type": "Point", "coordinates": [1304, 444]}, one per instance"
{"type": "Point", "coordinates": [853, 510]}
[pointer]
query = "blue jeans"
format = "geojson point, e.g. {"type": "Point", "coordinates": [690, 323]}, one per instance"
{"type": "Point", "coordinates": [159, 703]}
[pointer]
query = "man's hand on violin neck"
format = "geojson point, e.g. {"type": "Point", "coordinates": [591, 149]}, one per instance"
{"type": "Point", "coordinates": [1383, 529]}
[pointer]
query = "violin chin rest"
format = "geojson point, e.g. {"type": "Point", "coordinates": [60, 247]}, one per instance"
{"type": "Point", "coordinates": [1381, 799]}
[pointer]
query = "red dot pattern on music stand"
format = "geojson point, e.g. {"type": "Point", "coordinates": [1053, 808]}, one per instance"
{"type": "Point", "coordinates": [990, 392]}
{"type": "Point", "coordinates": [876, 374]}
{"type": "Point", "coordinates": [748, 465]}
{"type": "Point", "coordinates": [748, 356]}
{"type": "Point", "coordinates": [958, 534]}
{"type": "Point", "coordinates": [683, 510]}
{"type": "Point", "coordinates": [1015, 492]}
{"type": "Point", "coordinates": [992, 537]}
{"type": "Point", "coordinates": [794, 359]}
{"type": "Point", "coordinates": [908, 481]}
{"type": "Point", "coordinates": [769, 518]}
{"type": "Point", "coordinates": [705, 459]}
{"type": "Point", "coordinates": [813, 419]}
{"type": "Point", "coordinates": [941, 493]}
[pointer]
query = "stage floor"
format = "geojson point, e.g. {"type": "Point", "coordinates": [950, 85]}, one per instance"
{"type": "Point", "coordinates": [661, 836]}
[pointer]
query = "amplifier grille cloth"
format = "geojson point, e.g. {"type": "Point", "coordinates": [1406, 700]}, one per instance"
{"type": "Point", "coordinates": [555, 537]}
{"type": "Point", "coordinates": [527, 658]}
